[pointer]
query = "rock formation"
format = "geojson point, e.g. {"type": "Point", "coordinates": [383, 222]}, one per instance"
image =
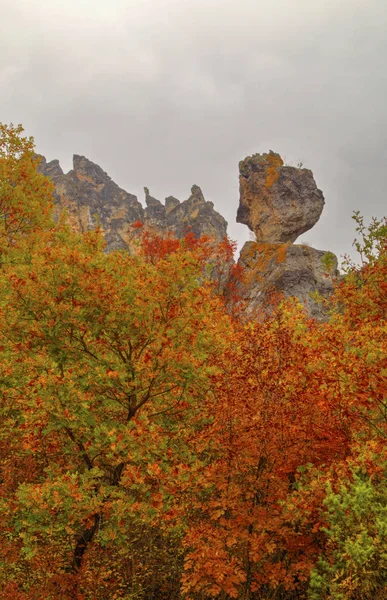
{"type": "Point", "coordinates": [278, 204]}
{"type": "Point", "coordinates": [292, 269]}
{"type": "Point", "coordinates": [91, 198]}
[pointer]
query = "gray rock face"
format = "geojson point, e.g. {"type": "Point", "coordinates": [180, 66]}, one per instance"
{"type": "Point", "coordinates": [294, 270]}
{"type": "Point", "coordinates": [196, 215]}
{"type": "Point", "coordinates": [91, 198]}
{"type": "Point", "coordinates": [277, 203]}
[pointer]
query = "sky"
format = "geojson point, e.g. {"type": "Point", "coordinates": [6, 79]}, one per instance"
{"type": "Point", "coordinates": [171, 93]}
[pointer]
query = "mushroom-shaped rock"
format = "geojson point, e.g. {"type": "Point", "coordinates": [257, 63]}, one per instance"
{"type": "Point", "coordinates": [278, 203]}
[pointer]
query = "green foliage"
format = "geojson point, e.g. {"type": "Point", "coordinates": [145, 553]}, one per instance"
{"type": "Point", "coordinates": [329, 261]}
{"type": "Point", "coordinates": [353, 565]}
{"type": "Point", "coordinates": [371, 243]}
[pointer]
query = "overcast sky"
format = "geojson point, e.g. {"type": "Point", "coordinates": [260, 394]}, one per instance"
{"type": "Point", "coordinates": [167, 93]}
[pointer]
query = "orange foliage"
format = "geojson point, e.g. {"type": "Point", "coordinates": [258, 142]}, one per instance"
{"type": "Point", "coordinates": [266, 423]}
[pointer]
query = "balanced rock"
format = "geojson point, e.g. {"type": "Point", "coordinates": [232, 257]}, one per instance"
{"type": "Point", "coordinates": [278, 203]}
{"type": "Point", "coordinates": [91, 198]}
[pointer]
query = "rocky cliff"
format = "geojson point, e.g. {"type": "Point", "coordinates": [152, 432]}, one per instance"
{"type": "Point", "coordinates": [277, 202]}
{"type": "Point", "coordinates": [91, 198]}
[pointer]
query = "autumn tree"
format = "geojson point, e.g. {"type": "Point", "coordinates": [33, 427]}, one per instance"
{"type": "Point", "coordinates": [296, 405]}
{"type": "Point", "coordinates": [105, 365]}
{"type": "Point", "coordinates": [245, 541]}
{"type": "Point", "coordinates": [25, 195]}
{"type": "Point", "coordinates": [352, 565]}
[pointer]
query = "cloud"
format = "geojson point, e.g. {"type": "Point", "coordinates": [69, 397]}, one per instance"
{"type": "Point", "coordinates": [167, 93]}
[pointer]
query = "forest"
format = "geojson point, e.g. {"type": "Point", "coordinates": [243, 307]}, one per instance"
{"type": "Point", "coordinates": [155, 444]}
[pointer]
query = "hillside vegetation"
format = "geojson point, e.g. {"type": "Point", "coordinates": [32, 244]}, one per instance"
{"type": "Point", "coordinates": [156, 444]}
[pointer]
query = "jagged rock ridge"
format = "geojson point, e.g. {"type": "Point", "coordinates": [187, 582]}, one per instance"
{"type": "Point", "coordinates": [91, 198]}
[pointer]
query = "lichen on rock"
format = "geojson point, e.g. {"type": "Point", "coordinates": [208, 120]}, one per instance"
{"type": "Point", "coordinates": [293, 270]}
{"type": "Point", "coordinates": [277, 202]}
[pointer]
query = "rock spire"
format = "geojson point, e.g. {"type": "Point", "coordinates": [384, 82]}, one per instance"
{"type": "Point", "coordinates": [279, 203]}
